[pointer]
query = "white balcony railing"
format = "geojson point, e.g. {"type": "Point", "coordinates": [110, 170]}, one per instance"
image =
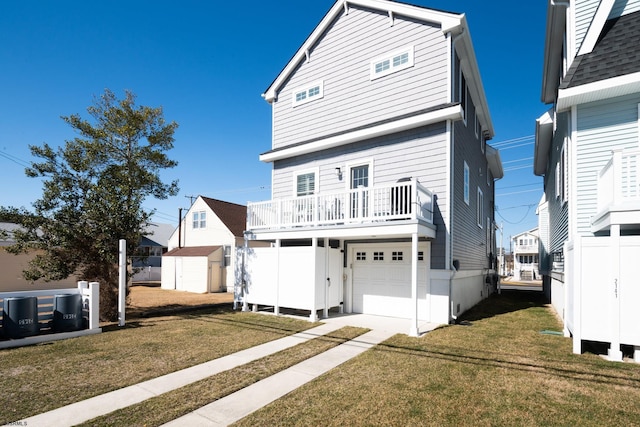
{"type": "Point", "coordinates": [619, 179]}
{"type": "Point", "coordinates": [405, 200]}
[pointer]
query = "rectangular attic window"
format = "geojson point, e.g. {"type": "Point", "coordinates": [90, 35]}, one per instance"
{"type": "Point", "coordinates": [308, 93]}
{"type": "Point", "coordinates": [391, 63]}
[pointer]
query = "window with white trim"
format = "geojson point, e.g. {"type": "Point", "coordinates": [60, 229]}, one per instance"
{"type": "Point", "coordinates": [305, 183]}
{"type": "Point", "coordinates": [361, 256]}
{"type": "Point", "coordinates": [397, 256]}
{"type": "Point", "coordinates": [489, 243]}
{"type": "Point", "coordinates": [477, 128]}
{"type": "Point", "coordinates": [561, 175]}
{"type": "Point", "coordinates": [462, 96]}
{"type": "Point", "coordinates": [378, 256]}
{"type": "Point", "coordinates": [308, 93]}
{"type": "Point", "coordinates": [391, 63]}
{"type": "Point", "coordinates": [199, 219]}
{"type": "Point", "coordinates": [480, 208]}
{"type": "Point", "coordinates": [466, 183]}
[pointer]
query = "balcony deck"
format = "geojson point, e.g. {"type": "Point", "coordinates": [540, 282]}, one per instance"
{"type": "Point", "coordinates": [619, 192]}
{"type": "Point", "coordinates": [379, 204]}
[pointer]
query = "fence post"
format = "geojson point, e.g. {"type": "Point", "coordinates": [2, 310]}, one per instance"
{"type": "Point", "coordinates": [122, 283]}
{"type": "Point", "coordinates": [91, 301]}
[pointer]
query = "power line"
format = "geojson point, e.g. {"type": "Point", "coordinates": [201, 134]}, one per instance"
{"type": "Point", "coordinates": [14, 159]}
{"type": "Point", "coordinates": [516, 186]}
{"type": "Point", "coordinates": [517, 222]}
{"type": "Point", "coordinates": [515, 168]}
{"type": "Point", "coordinates": [519, 192]}
{"type": "Point", "coordinates": [518, 160]}
{"type": "Point", "coordinates": [515, 146]}
{"type": "Point", "coordinates": [513, 141]}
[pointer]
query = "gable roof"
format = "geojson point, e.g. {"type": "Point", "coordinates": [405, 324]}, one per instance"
{"type": "Point", "coordinates": [449, 22]}
{"type": "Point", "coordinates": [233, 216]}
{"type": "Point", "coordinates": [159, 234]}
{"type": "Point", "coordinates": [616, 53]}
{"type": "Point", "coordinates": [192, 251]}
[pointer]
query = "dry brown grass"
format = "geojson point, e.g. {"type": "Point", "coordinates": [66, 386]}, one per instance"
{"type": "Point", "coordinates": [40, 378]}
{"type": "Point", "coordinates": [169, 406]}
{"type": "Point", "coordinates": [500, 370]}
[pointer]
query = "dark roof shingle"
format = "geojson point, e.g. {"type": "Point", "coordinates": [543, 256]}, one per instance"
{"type": "Point", "coordinates": [617, 53]}
{"type": "Point", "coordinates": [232, 215]}
{"type": "Point", "coordinates": [192, 251]}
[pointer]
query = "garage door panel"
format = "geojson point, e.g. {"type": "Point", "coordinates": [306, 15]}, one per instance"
{"type": "Point", "coordinates": [382, 286]}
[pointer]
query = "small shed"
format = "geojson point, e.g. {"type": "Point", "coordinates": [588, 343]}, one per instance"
{"type": "Point", "coordinates": [194, 269]}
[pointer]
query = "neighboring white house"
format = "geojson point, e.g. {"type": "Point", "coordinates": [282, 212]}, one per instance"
{"type": "Point", "coordinates": [525, 255]}
{"type": "Point", "coordinates": [203, 250]}
{"type": "Point", "coordinates": [588, 149]}
{"type": "Point", "coordinates": [382, 182]}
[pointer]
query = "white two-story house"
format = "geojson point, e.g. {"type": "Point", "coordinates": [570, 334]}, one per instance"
{"type": "Point", "coordinates": [382, 183]}
{"type": "Point", "coordinates": [588, 150]}
{"type": "Point", "coordinates": [525, 256]}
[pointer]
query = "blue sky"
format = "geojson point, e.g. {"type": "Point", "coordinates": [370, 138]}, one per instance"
{"type": "Point", "coordinates": [207, 63]}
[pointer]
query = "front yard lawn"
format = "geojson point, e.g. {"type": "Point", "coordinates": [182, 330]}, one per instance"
{"type": "Point", "coordinates": [39, 378]}
{"type": "Point", "coordinates": [495, 369]}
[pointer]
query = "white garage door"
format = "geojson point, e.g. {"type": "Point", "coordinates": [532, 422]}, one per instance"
{"type": "Point", "coordinates": [382, 280]}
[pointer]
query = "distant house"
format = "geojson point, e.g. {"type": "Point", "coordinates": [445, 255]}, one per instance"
{"type": "Point", "coordinates": [205, 250]}
{"type": "Point", "coordinates": [12, 266]}
{"type": "Point", "coordinates": [588, 150]}
{"type": "Point", "coordinates": [148, 258]}
{"type": "Point", "coordinates": [525, 255]}
{"type": "Point", "coordinates": [383, 182]}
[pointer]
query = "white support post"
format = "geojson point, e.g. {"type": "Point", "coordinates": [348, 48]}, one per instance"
{"type": "Point", "coordinates": [327, 283]}
{"type": "Point", "coordinates": [90, 293]}
{"type": "Point", "coordinates": [122, 283]}
{"type": "Point", "coordinates": [313, 317]}
{"type": "Point", "coordinates": [413, 330]}
{"type": "Point", "coordinates": [276, 309]}
{"type": "Point", "coordinates": [615, 354]}
{"type": "Point", "coordinates": [575, 280]}
{"type": "Point", "coordinates": [243, 281]}
{"type": "Point", "coordinates": [636, 354]}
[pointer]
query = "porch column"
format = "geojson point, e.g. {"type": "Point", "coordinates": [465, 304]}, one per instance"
{"type": "Point", "coordinates": [313, 317]}
{"type": "Point", "coordinates": [614, 321]}
{"type": "Point", "coordinates": [413, 330]}
{"type": "Point", "coordinates": [276, 308]}
{"type": "Point", "coordinates": [327, 282]}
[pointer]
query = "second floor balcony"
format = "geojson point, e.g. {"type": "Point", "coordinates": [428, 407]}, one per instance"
{"type": "Point", "coordinates": [619, 192]}
{"type": "Point", "coordinates": [392, 202]}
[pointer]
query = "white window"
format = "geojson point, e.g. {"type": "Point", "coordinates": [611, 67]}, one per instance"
{"type": "Point", "coordinates": [200, 219]}
{"type": "Point", "coordinates": [378, 256]}
{"type": "Point", "coordinates": [466, 183]}
{"type": "Point", "coordinates": [480, 208]}
{"type": "Point", "coordinates": [391, 63]}
{"type": "Point", "coordinates": [561, 175]}
{"type": "Point", "coordinates": [477, 129]}
{"type": "Point", "coordinates": [305, 184]}
{"type": "Point", "coordinates": [308, 93]}
{"type": "Point", "coordinates": [227, 255]}
{"type": "Point", "coordinates": [462, 96]}
{"type": "Point", "coordinates": [397, 256]}
{"type": "Point", "coordinates": [489, 244]}
{"type": "Point", "coordinates": [361, 256]}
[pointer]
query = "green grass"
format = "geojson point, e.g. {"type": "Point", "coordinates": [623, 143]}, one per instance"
{"type": "Point", "coordinates": [169, 406]}
{"type": "Point", "coordinates": [39, 378]}
{"type": "Point", "coordinates": [497, 370]}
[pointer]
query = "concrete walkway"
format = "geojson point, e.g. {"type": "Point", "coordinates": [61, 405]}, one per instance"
{"type": "Point", "coordinates": [241, 403]}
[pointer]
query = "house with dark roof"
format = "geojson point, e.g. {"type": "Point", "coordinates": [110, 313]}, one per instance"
{"type": "Point", "coordinates": [205, 250]}
{"type": "Point", "coordinates": [147, 261]}
{"type": "Point", "coordinates": [588, 151]}
{"type": "Point", "coordinates": [383, 181]}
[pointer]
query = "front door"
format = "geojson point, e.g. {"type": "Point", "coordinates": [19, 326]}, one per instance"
{"type": "Point", "coordinates": [359, 199]}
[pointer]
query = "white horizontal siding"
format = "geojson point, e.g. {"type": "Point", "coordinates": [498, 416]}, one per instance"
{"type": "Point", "coordinates": [585, 10]}
{"type": "Point", "coordinates": [341, 59]}
{"type": "Point", "coordinates": [419, 154]}
{"type": "Point", "coordinates": [624, 7]}
{"type": "Point", "coordinates": [602, 127]}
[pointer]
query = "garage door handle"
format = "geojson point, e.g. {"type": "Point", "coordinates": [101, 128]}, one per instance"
{"type": "Point", "coordinates": [329, 280]}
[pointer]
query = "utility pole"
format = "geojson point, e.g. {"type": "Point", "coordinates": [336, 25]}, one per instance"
{"type": "Point", "coordinates": [191, 198]}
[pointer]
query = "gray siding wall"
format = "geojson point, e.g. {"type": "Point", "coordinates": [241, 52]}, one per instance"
{"type": "Point", "coordinates": [584, 11]}
{"type": "Point", "coordinates": [341, 59]}
{"type": "Point", "coordinates": [558, 209]}
{"type": "Point", "coordinates": [624, 7]}
{"type": "Point", "coordinates": [419, 153]}
{"type": "Point", "coordinates": [468, 240]}
{"type": "Point", "coordinates": [602, 126]}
